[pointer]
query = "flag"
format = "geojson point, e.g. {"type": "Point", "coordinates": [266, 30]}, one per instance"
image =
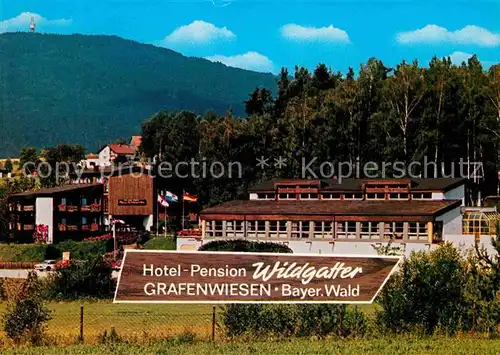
{"type": "Point", "coordinates": [190, 198]}
{"type": "Point", "coordinates": [162, 201]}
{"type": "Point", "coordinates": [171, 197]}
{"type": "Point", "coordinates": [118, 221]}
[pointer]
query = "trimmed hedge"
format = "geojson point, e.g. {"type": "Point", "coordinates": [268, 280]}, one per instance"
{"type": "Point", "coordinates": [34, 253]}
{"type": "Point", "coordinates": [23, 252]}
{"type": "Point", "coordinates": [240, 245]}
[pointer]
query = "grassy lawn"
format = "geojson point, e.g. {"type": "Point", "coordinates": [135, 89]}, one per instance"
{"type": "Point", "coordinates": [384, 346]}
{"type": "Point", "coordinates": [160, 243]}
{"type": "Point", "coordinates": [131, 321]}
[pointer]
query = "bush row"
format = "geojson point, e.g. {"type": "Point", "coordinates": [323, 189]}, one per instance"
{"type": "Point", "coordinates": [33, 253]}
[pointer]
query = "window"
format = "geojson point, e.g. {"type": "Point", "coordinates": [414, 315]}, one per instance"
{"type": "Point", "coordinates": [300, 229]}
{"type": "Point", "coordinates": [265, 196]}
{"type": "Point", "coordinates": [63, 200]}
{"type": "Point", "coordinates": [346, 230]}
{"type": "Point", "coordinates": [283, 196]}
{"type": "Point", "coordinates": [370, 230]}
{"type": "Point", "coordinates": [330, 196]}
{"type": "Point", "coordinates": [277, 229]}
{"type": "Point", "coordinates": [323, 229]}
{"type": "Point", "coordinates": [218, 228]}
{"type": "Point", "coordinates": [84, 220]}
{"type": "Point", "coordinates": [375, 196]}
{"type": "Point", "coordinates": [422, 196]}
{"type": "Point", "coordinates": [234, 229]}
{"type": "Point", "coordinates": [353, 196]}
{"type": "Point", "coordinates": [84, 201]}
{"type": "Point", "coordinates": [417, 231]}
{"type": "Point", "coordinates": [398, 196]}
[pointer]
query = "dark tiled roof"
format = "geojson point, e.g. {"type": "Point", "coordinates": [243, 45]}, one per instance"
{"type": "Point", "coordinates": [439, 184]}
{"type": "Point", "coordinates": [341, 207]}
{"type": "Point", "coordinates": [56, 190]}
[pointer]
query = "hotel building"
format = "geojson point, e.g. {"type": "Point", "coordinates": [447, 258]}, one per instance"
{"type": "Point", "coordinates": [352, 216]}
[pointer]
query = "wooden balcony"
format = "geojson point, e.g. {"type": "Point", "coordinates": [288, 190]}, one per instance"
{"type": "Point", "coordinates": [85, 227]}
{"type": "Point", "coordinates": [29, 227]}
{"type": "Point", "coordinates": [30, 208]}
{"type": "Point", "coordinates": [71, 208]}
{"type": "Point", "coordinates": [85, 208]}
{"type": "Point", "coordinates": [71, 228]}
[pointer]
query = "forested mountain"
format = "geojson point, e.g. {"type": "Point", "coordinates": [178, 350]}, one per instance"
{"type": "Point", "coordinates": [93, 89]}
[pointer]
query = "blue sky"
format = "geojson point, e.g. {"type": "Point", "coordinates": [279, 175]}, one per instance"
{"type": "Point", "coordinates": [265, 35]}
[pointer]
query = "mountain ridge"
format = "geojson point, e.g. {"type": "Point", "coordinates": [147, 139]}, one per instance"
{"type": "Point", "coordinates": [92, 89]}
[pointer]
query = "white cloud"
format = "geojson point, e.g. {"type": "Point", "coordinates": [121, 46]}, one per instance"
{"type": "Point", "coordinates": [198, 32]}
{"type": "Point", "coordinates": [21, 22]}
{"type": "Point", "coordinates": [250, 60]}
{"type": "Point", "coordinates": [321, 34]}
{"type": "Point", "coordinates": [436, 34]}
{"type": "Point", "coordinates": [458, 57]}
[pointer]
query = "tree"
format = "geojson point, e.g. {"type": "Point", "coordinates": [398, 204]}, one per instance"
{"type": "Point", "coordinates": [62, 163]}
{"type": "Point", "coordinates": [121, 141]}
{"type": "Point", "coordinates": [259, 102]}
{"type": "Point", "coordinates": [8, 165]}
{"type": "Point", "coordinates": [28, 159]}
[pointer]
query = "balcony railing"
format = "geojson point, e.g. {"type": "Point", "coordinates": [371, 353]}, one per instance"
{"type": "Point", "coordinates": [28, 208]}
{"type": "Point", "coordinates": [71, 208]}
{"type": "Point", "coordinates": [85, 208]}
{"type": "Point", "coordinates": [71, 228]}
{"type": "Point", "coordinates": [85, 227]}
{"type": "Point", "coordinates": [28, 227]}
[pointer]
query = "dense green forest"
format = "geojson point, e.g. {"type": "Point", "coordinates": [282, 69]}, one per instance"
{"type": "Point", "coordinates": [441, 112]}
{"type": "Point", "coordinates": [89, 90]}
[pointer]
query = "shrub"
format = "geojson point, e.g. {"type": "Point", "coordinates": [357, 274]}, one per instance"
{"type": "Point", "coordinates": [240, 245]}
{"type": "Point", "coordinates": [91, 278]}
{"type": "Point", "coordinates": [26, 313]}
{"type": "Point", "coordinates": [160, 243]}
{"type": "Point", "coordinates": [23, 252]}
{"type": "Point", "coordinates": [293, 320]}
{"type": "Point", "coordinates": [79, 250]}
{"type": "Point", "coordinates": [427, 292]}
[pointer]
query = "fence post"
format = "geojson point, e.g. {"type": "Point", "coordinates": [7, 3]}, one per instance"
{"type": "Point", "coordinates": [339, 319]}
{"type": "Point", "coordinates": [213, 323]}
{"type": "Point", "coordinates": [81, 323]}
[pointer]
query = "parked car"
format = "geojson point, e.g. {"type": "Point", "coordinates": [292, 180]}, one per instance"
{"type": "Point", "coordinates": [47, 265]}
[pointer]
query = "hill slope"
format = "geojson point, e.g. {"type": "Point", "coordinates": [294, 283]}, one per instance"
{"type": "Point", "coordinates": [93, 89]}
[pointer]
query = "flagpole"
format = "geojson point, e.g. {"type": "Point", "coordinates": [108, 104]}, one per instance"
{"type": "Point", "coordinates": [157, 212]}
{"type": "Point", "coordinates": [182, 209]}
{"type": "Point", "coordinates": [165, 225]}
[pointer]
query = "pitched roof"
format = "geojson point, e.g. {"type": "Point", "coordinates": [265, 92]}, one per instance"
{"type": "Point", "coordinates": [438, 184]}
{"type": "Point", "coordinates": [92, 156]}
{"type": "Point", "coordinates": [122, 149]}
{"type": "Point", "coordinates": [59, 189]}
{"type": "Point", "coordinates": [332, 208]}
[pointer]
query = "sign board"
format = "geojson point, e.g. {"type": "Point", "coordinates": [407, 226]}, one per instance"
{"type": "Point", "coordinates": [65, 255]}
{"type": "Point", "coordinates": [132, 202]}
{"type": "Point", "coordinates": [153, 276]}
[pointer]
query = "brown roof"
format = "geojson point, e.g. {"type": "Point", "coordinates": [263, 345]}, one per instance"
{"type": "Point", "coordinates": [342, 207]}
{"type": "Point", "coordinates": [92, 156]}
{"type": "Point", "coordinates": [122, 149]}
{"type": "Point", "coordinates": [439, 184]}
{"type": "Point", "coordinates": [55, 190]}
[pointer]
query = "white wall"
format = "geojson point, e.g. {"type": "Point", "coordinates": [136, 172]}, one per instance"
{"type": "Point", "coordinates": [148, 222]}
{"type": "Point", "coordinates": [458, 193]}
{"type": "Point", "coordinates": [253, 196]}
{"type": "Point", "coordinates": [452, 221]}
{"type": "Point", "coordinates": [105, 157]}
{"type": "Point", "coordinates": [44, 208]}
{"type": "Point", "coordinates": [437, 196]}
